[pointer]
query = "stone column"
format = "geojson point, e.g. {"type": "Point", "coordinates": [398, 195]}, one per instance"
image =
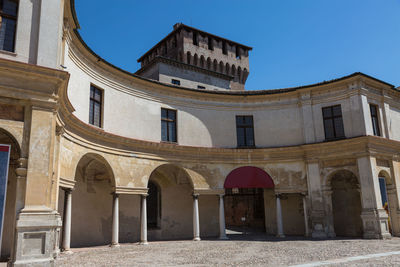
{"type": "Point", "coordinates": [307, 231]}
{"type": "Point", "coordinates": [115, 222]}
{"type": "Point", "coordinates": [66, 241]}
{"type": "Point", "coordinates": [317, 211]}
{"type": "Point", "coordinates": [279, 216]}
{"type": "Point", "coordinates": [143, 220]}
{"type": "Point", "coordinates": [222, 232]}
{"type": "Point", "coordinates": [196, 223]}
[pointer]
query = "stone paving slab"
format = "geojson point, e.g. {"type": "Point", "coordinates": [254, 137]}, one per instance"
{"type": "Point", "coordinates": [256, 251]}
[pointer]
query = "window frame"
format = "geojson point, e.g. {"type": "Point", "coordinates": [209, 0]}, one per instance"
{"type": "Point", "coordinates": [377, 129]}
{"type": "Point", "coordinates": [167, 120]}
{"type": "Point", "coordinates": [333, 117]}
{"type": "Point", "coordinates": [12, 17]}
{"type": "Point", "coordinates": [101, 102]}
{"type": "Point", "coordinates": [245, 135]}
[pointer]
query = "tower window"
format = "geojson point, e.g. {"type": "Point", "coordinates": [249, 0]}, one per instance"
{"type": "Point", "coordinates": [168, 125]}
{"type": "Point", "coordinates": [210, 43]}
{"type": "Point", "coordinates": [95, 106]}
{"type": "Point", "coordinates": [195, 38]}
{"type": "Point", "coordinates": [333, 122]}
{"type": "Point", "coordinates": [375, 121]}
{"type": "Point", "coordinates": [238, 56]}
{"type": "Point", "coordinates": [224, 48]}
{"type": "Point", "coordinates": [8, 24]}
{"type": "Point", "coordinates": [245, 131]}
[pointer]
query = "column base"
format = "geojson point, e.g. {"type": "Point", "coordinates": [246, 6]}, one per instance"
{"type": "Point", "coordinates": [318, 232]}
{"type": "Point", "coordinates": [115, 245]}
{"type": "Point", "coordinates": [224, 237]}
{"type": "Point", "coordinates": [280, 236]}
{"type": "Point", "coordinates": [67, 251]}
{"type": "Point", "coordinates": [37, 237]}
{"type": "Point", "coordinates": [375, 224]}
{"type": "Point", "coordinates": [144, 243]}
{"type": "Point", "coordinates": [196, 239]}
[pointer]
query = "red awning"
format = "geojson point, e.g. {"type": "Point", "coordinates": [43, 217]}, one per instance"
{"type": "Point", "coordinates": [248, 177]}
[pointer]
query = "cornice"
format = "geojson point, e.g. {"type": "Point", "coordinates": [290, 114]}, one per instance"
{"type": "Point", "coordinates": [35, 85]}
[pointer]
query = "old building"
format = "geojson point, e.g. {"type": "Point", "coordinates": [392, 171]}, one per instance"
{"type": "Point", "coordinates": [196, 59]}
{"type": "Point", "coordinates": [101, 156]}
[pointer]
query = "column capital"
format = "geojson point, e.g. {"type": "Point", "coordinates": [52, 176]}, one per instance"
{"type": "Point", "coordinates": [144, 195]}
{"type": "Point", "coordinates": [278, 195]}
{"type": "Point", "coordinates": [221, 195]}
{"type": "Point", "coordinates": [115, 194]}
{"type": "Point", "coordinates": [196, 195]}
{"type": "Point", "coordinates": [67, 189]}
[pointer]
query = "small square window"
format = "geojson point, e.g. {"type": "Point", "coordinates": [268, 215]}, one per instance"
{"type": "Point", "coordinates": [176, 82]}
{"type": "Point", "coordinates": [201, 87]}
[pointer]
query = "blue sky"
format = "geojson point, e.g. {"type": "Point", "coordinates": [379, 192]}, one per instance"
{"type": "Point", "coordinates": [295, 42]}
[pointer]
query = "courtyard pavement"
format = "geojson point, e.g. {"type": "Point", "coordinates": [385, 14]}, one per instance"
{"type": "Point", "coordinates": [255, 250]}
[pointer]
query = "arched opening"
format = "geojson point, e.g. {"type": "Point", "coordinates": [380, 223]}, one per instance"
{"type": "Point", "coordinates": [346, 204]}
{"type": "Point", "coordinates": [188, 57]}
{"type": "Point", "coordinates": [195, 60]}
{"type": "Point", "coordinates": [227, 69]}
{"type": "Point", "coordinates": [202, 62]}
{"type": "Point", "coordinates": [91, 218]}
{"type": "Point", "coordinates": [389, 200]}
{"type": "Point", "coordinates": [7, 241]}
{"type": "Point", "coordinates": [209, 63]}
{"type": "Point", "coordinates": [244, 199]}
{"type": "Point", "coordinates": [239, 74]}
{"type": "Point", "coordinates": [215, 65]}
{"type": "Point", "coordinates": [174, 208]}
{"type": "Point", "coordinates": [221, 67]}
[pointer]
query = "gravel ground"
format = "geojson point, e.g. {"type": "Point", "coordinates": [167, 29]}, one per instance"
{"type": "Point", "coordinates": [238, 251]}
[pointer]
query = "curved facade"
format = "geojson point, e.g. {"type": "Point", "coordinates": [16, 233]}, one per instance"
{"type": "Point", "coordinates": [73, 184]}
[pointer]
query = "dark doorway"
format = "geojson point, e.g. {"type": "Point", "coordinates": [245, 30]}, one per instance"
{"type": "Point", "coordinates": [244, 209]}
{"type": "Point", "coordinates": [153, 206]}
{"type": "Point", "coordinates": [346, 205]}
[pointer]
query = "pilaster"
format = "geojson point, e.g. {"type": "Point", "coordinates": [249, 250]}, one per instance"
{"type": "Point", "coordinates": [374, 217]}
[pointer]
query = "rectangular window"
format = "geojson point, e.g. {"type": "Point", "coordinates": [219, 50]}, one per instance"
{"type": "Point", "coordinates": [176, 82]}
{"type": "Point", "coordinates": [195, 38]}
{"type": "Point", "coordinates": [237, 52]}
{"type": "Point", "coordinates": [200, 87]}
{"type": "Point", "coordinates": [375, 120]}
{"type": "Point", "coordinates": [8, 24]}
{"type": "Point", "coordinates": [168, 125]}
{"type": "Point", "coordinates": [245, 131]}
{"type": "Point", "coordinates": [95, 106]}
{"type": "Point", "coordinates": [224, 48]}
{"type": "Point", "coordinates": [210, 43]}
{"type": "Point", "coordinates": [333, 122]}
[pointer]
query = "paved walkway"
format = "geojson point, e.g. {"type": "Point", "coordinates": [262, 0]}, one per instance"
{"type": "Point", "coordinates": [242, 251]}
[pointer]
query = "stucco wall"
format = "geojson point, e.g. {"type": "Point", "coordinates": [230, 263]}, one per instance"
{"type": "Point", "coordinates": [190, 78]}
{"type": "Point", "coordinates": [132, 111]}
